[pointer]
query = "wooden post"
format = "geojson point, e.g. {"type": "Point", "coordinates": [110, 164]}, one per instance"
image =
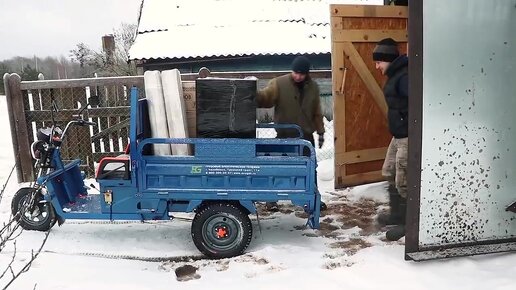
{"type": "Point", "coordinates": [204, 72]}
{"type": "Point", "coordinates": [12, 125]}
{"type": "Point", "coordinates": [19, 124]}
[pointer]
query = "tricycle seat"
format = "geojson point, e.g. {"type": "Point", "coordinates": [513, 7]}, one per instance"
{"type": "Point", "coordinates": [114, 168]}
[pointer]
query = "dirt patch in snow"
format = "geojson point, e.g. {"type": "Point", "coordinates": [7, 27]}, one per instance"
{"type": "Point", "coordinates": [344, 215]}
{"type": "Point", "coordinates": [331, 265]}
{"type": "Point", "coordinates": [348, 223]}
{"type": "Point", "coordinates": [189, 270]}
{"type": "Point", "coordinates": [343, 250]}
{"type": "Point", "coordinates": [263, 211]}
{"type": "Point", "coordinates": [329, 230]}
{"type": "Point", "coordinates": [186, 273]}
{"type": "Point", "coordinates": [352, 246]}
{"type": "Point", "coordinates": [360, 214]}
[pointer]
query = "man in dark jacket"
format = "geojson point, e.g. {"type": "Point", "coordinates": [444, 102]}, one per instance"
{"type": "Point", "coordinates": [296, 100]}
{"type": "Point", "coordinates": [395, 67]}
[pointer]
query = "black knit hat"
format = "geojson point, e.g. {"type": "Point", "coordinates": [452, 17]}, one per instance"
{"type": "Point", "coordinates": [386, 50]}
{"type": "Point", "coordinates": [301, 64]}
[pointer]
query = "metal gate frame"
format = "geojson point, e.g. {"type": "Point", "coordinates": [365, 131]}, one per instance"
{"type": "Point", "coordinates": [413, 251]}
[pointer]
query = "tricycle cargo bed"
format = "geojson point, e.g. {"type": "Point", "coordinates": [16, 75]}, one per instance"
{"type": "Point", "coordinates": [238, 171]}
{"type": "Point", "coordinates": [260, 175]}
{"type": "Point", "coordinates": [225, 169]}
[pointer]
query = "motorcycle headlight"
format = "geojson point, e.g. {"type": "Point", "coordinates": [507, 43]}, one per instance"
{"type": "Point", "coordinates": [36, 149]}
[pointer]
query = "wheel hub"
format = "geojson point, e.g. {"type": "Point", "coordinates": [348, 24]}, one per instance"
{"type": "Point", "coordinates": [221, 232]}
{"type": "Point", "coordinates": [33, 212]}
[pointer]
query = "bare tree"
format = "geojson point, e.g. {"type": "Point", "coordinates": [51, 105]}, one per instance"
{"type": "Point", "coordinates": [82, 54]}
{"type": "Point", "coordinates": [124, 39]}
{"type": "Point", "coordinates": [118, 64]}
{"type": "Point", "coordinates": [16, 274]}
{"type": "Point", "coordinates": [85, 57]}
{"type": "Point", "coordinates": [10, 231]}
{"type": "Point", "coordinates": [51, 67]}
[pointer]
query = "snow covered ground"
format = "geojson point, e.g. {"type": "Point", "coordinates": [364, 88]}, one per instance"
{"type": "Point", "coordinates": [347, 253]}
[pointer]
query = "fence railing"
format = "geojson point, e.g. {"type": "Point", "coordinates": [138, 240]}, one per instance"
{"type": "Point", "coordinates": [29, 107]}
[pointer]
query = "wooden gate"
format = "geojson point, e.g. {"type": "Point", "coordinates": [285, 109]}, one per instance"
{"type": "Point", "coordinates": [361, 132]}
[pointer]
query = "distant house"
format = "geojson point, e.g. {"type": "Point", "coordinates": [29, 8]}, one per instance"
{"type": "Point", "coordinates": [236, 35]}
{"type": "Point", "coordinates": [232, 35]}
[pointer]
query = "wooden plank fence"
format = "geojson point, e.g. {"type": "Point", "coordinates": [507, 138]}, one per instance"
{"type": "Point", "coordinates": [29, 107]}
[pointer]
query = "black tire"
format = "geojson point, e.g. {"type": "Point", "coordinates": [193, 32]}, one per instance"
{"type": "Point", "coordinates": [41, 218]}
{"type": "Point", "coordinates": [221, 230]}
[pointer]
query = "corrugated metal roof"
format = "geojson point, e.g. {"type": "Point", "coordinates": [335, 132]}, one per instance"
{"type": "Point", "coordinates": [206, 28]}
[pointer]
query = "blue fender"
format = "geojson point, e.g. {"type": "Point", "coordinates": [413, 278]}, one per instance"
{"type": "Point", "coordinates": [247, 204]}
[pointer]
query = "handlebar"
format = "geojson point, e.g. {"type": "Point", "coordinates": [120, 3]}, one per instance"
{"type": "Point", "coordinates": [86, 123]}
{"type": "Point", "coordinates": [80, 122]}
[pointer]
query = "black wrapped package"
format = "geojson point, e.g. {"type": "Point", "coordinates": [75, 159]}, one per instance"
{"type": "Point", "coordinates": [226, 108]}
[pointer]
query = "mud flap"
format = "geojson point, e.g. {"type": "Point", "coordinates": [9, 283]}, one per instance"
{"type": "Point", "coordinates": [249, 206]}
{"type": "Point", "coordinates": [315, 214]}
{"type": "Point", "coordinates": [60, 220]}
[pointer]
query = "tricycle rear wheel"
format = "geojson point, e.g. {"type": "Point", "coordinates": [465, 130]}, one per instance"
{"type": "Point", "coordinates": [222, 230]}
{"type": "Point", "coordinates": [36, 215]}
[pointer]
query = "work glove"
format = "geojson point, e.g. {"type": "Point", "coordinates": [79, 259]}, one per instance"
{"type": "Point", "coordinates": [321, 141]}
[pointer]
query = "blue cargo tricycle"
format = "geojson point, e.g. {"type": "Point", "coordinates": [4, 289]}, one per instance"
{"type": "Point", "coordinates": [221, 182]}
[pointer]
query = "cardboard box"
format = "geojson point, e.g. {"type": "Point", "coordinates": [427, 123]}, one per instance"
{"type": "Point", "coordinates": [190, 104]}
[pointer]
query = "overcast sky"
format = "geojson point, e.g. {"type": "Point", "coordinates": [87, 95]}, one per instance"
{"type": "Point", "coordinates": [54, 27]}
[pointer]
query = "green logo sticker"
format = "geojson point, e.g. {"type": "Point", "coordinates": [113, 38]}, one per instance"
{"type": "Point", "coordinates": [196, 169]}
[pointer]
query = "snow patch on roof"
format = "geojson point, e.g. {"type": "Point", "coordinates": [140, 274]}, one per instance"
{"type": "Point", "coordinates": [191, 29]}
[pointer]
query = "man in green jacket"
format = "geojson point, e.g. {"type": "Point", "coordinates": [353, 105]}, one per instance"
{"type": "Point", "coordinates": [296, 100]}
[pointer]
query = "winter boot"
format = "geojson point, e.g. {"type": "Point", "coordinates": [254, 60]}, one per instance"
{"type": "Point", "coordinates": [396, 215]}
{"type": "Point", "coordinates": [398, 231]}
{"type": "Point", "coordinates": [395, 233]}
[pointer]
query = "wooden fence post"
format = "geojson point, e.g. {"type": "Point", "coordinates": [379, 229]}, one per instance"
{"type": "Point", "coordinates": [204, 72]}
{"type": "Point", "coordinates": [12, 126]}
{"type": "Point", "coordinates": [19, 128]}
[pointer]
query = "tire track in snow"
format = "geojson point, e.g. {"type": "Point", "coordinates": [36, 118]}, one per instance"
{"type": "Point", "coordinates": [189, 258]}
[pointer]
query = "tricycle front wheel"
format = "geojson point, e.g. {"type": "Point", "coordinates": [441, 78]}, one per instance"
{"type": "Point", "coordinates": [222, 230]}
{"type": "Point", "coordinates": [31, 211]}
